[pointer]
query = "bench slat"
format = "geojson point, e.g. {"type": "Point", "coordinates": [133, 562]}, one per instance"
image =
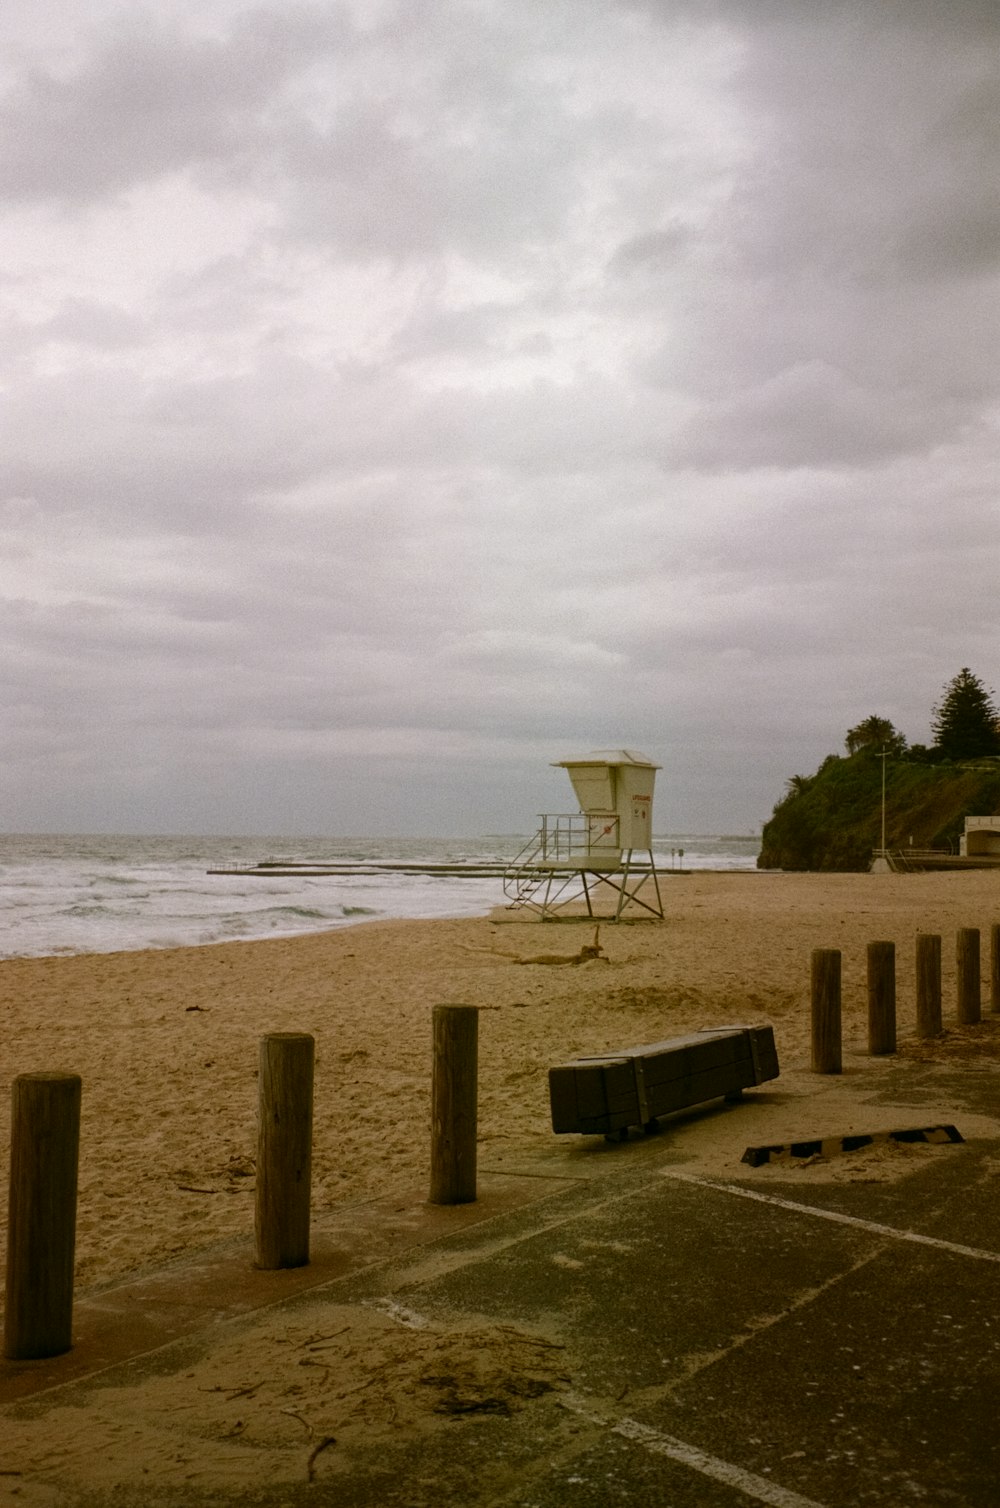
{"type": "Point", "coordinates": [632, 1087]}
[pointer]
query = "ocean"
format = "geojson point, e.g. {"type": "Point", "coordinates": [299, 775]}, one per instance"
{"type": "Point", "coordinates": [72, 894]}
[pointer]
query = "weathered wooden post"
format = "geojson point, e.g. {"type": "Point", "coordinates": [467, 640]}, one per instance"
{"type": "Point", "coordinates": [284, 1149]}
{"type": "Point", "coordinates": [967, 980]}
{"type": "Point", "coordinates": [881, 998]}
{"type": "Point", "coordinates": [826, 1034]}
{"type": "Point", "coordinates": [928, 984]}
{"type": "Point", "coordinates": [454, 1103]}
{"type": "Point", "coordinates": [995, 968]}
{"type": "Point", "coordinates": [41, 1239]}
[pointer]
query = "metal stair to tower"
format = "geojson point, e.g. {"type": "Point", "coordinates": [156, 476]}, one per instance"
{"type": "Point", "coordinates": [569, 857]}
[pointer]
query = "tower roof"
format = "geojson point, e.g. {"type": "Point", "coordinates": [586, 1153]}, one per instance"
{"type": "Point", "coordinates": [608, 757]}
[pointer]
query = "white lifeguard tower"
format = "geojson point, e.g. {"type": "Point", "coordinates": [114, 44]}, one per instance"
{"type": "Point", "coordinates": [608, 842]}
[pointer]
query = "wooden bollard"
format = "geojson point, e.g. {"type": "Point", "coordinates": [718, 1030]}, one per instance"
{"type": "Point", "coordinates": [454, 1101]}
{"type": "Point", "coordinates": [881, 998]}
{"type": "Point", "coordinates": [928, 984]}
{"type": "Point", "coordinates": [284, 1150]}
{"type": "Point", "coordinates": [967, 981]}
{"type": "Point", "coordinates": [826, 1035]}
{"type": "Point", "coordinates": [995, 968]}
{"type": "Point", "coordinates": [41, 1240]}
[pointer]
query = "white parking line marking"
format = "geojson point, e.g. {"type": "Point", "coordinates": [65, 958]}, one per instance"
{"type": "Point", "coordinates": [748, 1482]}
{"type": "Point", "coordinates": [839, 1219]}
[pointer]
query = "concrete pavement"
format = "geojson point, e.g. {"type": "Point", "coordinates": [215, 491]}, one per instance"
{"type": "Point", "coordinates": [634, 1332]}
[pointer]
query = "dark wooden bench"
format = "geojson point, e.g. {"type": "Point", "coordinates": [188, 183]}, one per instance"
{"type": "Point", "coordinates": [607, 1094]}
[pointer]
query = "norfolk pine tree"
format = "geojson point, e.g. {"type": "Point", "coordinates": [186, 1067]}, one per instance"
{"type": "Point", "coordinates": [965, 720]}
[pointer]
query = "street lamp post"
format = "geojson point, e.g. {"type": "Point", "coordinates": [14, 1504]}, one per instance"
{"type": "Point", "coordinates": [882, 851]}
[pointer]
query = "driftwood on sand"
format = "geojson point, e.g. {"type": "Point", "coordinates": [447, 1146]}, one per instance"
{"type": "Point", "coordinates": [589, 953]}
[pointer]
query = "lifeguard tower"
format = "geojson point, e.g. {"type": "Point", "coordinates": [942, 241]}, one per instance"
{"type": "Point", "coordinates": [607, 843]}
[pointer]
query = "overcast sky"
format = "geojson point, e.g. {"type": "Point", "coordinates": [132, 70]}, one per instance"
{"type": "Point", "coordinates": [400, 396]}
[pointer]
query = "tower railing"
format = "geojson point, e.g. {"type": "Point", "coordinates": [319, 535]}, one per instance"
{"type": "Point", "coordinates": [573, 837]}
{"type": "Point", "coordinates": [571, 853]}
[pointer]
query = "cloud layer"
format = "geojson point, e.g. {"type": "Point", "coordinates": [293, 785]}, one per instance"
{"type": "Point", "coordinates": [398, 397]}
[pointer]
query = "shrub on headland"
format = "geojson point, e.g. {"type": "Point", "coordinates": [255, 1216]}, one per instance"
{"type": "Point", "coordinates": [832, 820]}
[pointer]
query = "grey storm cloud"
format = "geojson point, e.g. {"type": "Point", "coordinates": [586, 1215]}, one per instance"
{"type": "Point", "coordinates": [149, 100]}
{"type": "Point", "coordinates": [395, 397]}
{"type": "Point", "coordinates": [858, 252]}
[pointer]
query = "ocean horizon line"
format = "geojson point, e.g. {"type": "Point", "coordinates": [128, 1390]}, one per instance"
{"type": "Point", "coordinates": [396, 837]}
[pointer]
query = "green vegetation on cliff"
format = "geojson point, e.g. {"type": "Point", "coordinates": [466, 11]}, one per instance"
{"type": "Point", "coordinates": [833, 819]}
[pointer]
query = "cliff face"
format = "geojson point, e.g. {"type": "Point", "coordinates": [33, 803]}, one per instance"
{"type": "Point", "coordinates": [833, 819]}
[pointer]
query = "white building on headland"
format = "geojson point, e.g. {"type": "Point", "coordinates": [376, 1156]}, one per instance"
{"type": "Point", "coordinates": [981, 838]}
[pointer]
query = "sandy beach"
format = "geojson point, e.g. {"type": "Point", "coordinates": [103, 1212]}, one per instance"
{"type": "Point", "coordinates": [167, 1041]}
